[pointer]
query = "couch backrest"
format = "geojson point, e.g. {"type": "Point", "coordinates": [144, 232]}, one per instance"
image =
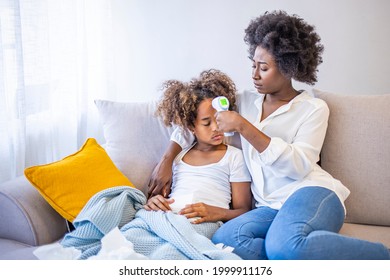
{"type": "Point", "coordinates": [357, 152]}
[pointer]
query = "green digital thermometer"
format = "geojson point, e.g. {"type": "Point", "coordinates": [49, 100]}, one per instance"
{"type": "Point", "coordinates": [221, 103]}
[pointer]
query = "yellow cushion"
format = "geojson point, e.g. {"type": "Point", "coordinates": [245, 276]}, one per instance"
{"type": "Point", "coordinates": [68, 184]}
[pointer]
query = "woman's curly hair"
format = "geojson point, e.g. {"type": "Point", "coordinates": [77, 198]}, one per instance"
{"type": "Point", "coordinates": [180, 101]}
{"type": "Point", "coordinates": [292, 42]}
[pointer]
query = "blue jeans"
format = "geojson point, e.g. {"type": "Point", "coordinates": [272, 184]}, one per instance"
{"type": "Point", "coordinates": [305, 227]}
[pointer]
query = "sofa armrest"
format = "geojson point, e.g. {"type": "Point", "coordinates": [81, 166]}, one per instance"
{"type": "Point", "coordinates": [26, 217]}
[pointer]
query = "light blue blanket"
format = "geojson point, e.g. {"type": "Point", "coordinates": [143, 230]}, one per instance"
{"type": "Point", "coordinates": [157, 235]}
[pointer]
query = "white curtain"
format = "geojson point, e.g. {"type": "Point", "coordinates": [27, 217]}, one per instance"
{"type": "Point", "coordinates": [55, 59]}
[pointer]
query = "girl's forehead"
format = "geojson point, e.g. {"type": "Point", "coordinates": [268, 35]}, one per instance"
{"type": "Point", "coordinates": [205, 108]}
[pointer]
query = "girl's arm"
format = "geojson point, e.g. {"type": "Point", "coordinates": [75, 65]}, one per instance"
{"type": "Point", "coordinates": [241, 203]}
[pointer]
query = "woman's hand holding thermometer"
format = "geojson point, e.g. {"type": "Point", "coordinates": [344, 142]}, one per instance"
{"type": "Point", "coordinates": [221, 103]}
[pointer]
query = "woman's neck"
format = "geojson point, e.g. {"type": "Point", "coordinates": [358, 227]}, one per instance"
{"type": "Point", "coordinates": [284, 96]}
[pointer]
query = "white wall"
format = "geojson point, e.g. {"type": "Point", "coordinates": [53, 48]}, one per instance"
{"type": "Point", "coordinates": [175, 39]}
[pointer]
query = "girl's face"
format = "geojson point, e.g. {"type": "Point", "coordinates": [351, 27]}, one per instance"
{"type": "Point", "coordinates": [266, 76]}
{"type": "Point", "coordinates": [205, 127]}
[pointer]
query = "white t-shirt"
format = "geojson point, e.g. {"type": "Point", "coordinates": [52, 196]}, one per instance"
{"type": "Point", "coordinates": [207, 183]}
{"type": "Point", "coordinates": [297, 132]}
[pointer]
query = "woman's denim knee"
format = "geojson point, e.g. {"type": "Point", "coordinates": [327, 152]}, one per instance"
{"type": "Point", "coordinates": [303, 232]}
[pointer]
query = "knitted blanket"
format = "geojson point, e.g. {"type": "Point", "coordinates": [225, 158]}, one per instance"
{"type": "Point", "coordinates": [154, 234]}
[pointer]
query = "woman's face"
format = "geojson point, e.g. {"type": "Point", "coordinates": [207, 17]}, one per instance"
{"type": "Point", "coordinates": [266, 76]}
{"type": "Point", "coordinates": [205, 127]}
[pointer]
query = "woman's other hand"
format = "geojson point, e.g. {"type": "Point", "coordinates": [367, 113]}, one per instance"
{"type": "Point", "coordinates": [161, 179]}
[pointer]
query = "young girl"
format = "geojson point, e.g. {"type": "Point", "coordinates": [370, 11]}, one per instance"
{"type": "Point", "coordinates": [210, 180]}
{"type": "Point", "coordinates": [299, 206]}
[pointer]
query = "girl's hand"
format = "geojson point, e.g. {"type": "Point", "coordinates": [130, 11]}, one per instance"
{"type": "Point", "coordinates": [158, 202]}
{"type": "Point", "coordinates": [204, 213]}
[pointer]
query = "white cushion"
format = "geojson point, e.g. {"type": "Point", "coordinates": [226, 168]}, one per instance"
{"type": "Point", "coordinates": [135, 138]}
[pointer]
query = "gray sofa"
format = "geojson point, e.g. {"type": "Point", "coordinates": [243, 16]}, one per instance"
{"type": "Point", "coordinates": [356, 151]}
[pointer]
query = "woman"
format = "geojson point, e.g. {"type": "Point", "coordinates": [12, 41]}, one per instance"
{"type": "Point", "coordinates": [299, 206]}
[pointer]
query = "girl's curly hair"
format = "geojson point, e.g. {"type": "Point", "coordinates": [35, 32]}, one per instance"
{"type": "Point", "coordinates": [292, 42]}
{"type": "Point", "coordinates": [180, 101]}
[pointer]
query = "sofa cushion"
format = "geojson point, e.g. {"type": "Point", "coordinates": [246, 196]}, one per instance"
{"type": "Point", "coordinates": [357, 152]}
{"type": "Point", "coordinates": [367, 232]}
{"type": "Point", "coordinates": [68, 184]}
{"type": "Point", "coordinates": [135, 138]}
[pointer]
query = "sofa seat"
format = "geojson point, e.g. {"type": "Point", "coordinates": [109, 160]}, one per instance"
{"type": "Point", "coordinates": [368, 232]}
